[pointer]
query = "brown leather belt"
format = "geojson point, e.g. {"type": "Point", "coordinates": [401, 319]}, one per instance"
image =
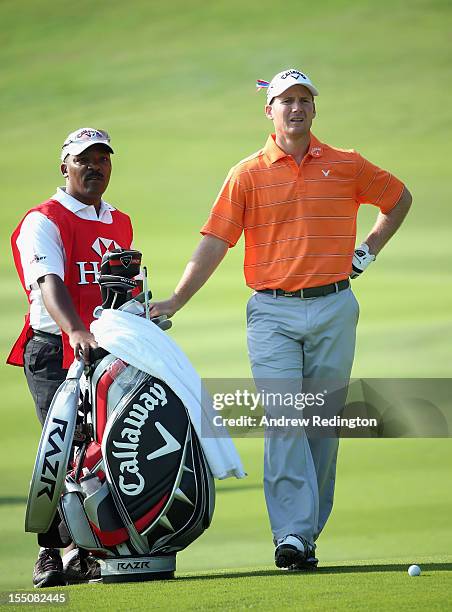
{"type": "Point", "coordinates": [310, 292]}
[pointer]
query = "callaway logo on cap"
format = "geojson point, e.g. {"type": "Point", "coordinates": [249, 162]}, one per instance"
{"type": "Point", "coordinates": [83, 138]}
{"type": "Point", "coordinates": [284, 80]}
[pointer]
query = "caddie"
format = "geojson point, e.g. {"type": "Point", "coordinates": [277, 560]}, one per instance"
{"type": "Point", "coordinates": [296, 200]}
{"type": "Point", "coordinates": [57, 248]}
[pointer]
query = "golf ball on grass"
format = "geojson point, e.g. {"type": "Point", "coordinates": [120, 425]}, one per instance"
{"type": "Point", "coordinates": [414, 570]}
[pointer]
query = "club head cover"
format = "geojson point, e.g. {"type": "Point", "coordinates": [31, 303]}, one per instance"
{"type": "Point", "coordinates": [140, 297]}
{"type": "Point", "coordinates": [121, 262]}
{"type": "Point", "coordinates": [116, 279]}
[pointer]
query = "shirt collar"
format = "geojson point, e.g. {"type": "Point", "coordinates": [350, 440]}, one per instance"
{"type": "Point", "coordinates": [274, 153]}
{"type": "Point", "coordinates": [75, 205]}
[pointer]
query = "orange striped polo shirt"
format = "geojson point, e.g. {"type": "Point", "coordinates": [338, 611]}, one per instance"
{"type": "Point", "coordinates": [299, 221]}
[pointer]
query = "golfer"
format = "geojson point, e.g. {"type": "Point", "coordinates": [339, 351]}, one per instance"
{"type": "Point", "coordinates": [296, 200]}
{"type": "Point", "coordinates": [57, 248]}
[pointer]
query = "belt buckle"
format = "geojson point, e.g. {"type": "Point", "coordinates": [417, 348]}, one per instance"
{"type": "Point", "coordinates": [292, 293]}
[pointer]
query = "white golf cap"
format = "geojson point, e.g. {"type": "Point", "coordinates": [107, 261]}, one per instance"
{"type": "Point", "coordinates": [285, 79]}
{"type": "Point", "coordinates": [83, 138]}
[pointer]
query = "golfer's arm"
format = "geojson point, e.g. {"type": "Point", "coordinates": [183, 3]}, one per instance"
{"type": "Point", "coordinates": [386, 225]}
{"type": "Point", "coordinates": [59, 305]}
{"type": "Point", "coordinates": [203, 263]}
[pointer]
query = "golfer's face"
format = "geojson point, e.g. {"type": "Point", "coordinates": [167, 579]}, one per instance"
{"type": "Point", "coordinates": [292, 112]}
{"type": "Point", "coordinates": [88, 174]}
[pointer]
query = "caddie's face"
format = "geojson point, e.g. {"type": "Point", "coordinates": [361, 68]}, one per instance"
{"type": "Point", "coordinates": [88, 174]}
{"type": "Point", "coordinates": [292, 112]}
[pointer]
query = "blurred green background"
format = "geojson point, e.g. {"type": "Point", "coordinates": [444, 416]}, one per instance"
{"type": "Point", "coordinates": [173, 83]}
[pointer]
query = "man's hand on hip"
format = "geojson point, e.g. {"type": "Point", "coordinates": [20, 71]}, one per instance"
{"type": "Point", "coordinates": [362, 258]}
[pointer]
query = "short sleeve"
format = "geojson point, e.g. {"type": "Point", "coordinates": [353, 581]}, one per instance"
{"type": "Point", "coordinates": [40, 247]}
{"type": "Point", "coordinates": [376, 186]}
{"type": "Point", "coordinates": [226, 217]}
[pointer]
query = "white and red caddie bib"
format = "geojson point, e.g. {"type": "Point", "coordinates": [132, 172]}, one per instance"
{"type": "Point", "coordinates": [85, 242]}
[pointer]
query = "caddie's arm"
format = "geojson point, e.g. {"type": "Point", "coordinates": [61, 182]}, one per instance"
{"type": "Point", "coordinates": [60, 307]}
{"type": "Point", "coordinates": [204, 261]}
{"type": "Point", "coordinates": [385, 227]}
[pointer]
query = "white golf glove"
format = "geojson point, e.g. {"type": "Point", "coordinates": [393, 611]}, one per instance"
{"type": "Point", "coordinates": [361, 259]}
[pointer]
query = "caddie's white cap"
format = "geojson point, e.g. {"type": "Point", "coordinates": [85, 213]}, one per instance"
{"type": "Point", "coordinates": [285, 79]}
{"type": "Point", "coordinates": [83, 138]}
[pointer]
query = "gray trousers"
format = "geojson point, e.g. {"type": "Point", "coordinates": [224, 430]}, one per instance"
{"type": "Point", "coordinates": [291, 339]}
{"type": "Point", "coordinates": [44, 372]}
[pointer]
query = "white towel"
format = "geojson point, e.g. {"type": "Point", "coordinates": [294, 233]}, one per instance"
{"type": "Point", "coordinates": [142, 344]}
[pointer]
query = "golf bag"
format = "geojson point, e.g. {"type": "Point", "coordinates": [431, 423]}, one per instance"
{"type": "Point", "coordinates": [138, 488]}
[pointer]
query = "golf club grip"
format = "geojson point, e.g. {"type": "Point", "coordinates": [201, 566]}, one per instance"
{"type": "Point", "coordinates": [96, 354]}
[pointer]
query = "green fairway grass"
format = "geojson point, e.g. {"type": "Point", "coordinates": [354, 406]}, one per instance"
{"type": "Point", "coordinates": [174, 85]}
{"type": "Point", "coordinates": [371, 586]}
{"type": "Point", "coordinates": [392, 509]}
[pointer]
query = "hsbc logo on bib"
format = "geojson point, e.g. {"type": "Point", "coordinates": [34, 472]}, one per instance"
{"type": "Point", "coordinates": [88, 270]}
{"type": "Point", "coordinates": [102, 245]}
